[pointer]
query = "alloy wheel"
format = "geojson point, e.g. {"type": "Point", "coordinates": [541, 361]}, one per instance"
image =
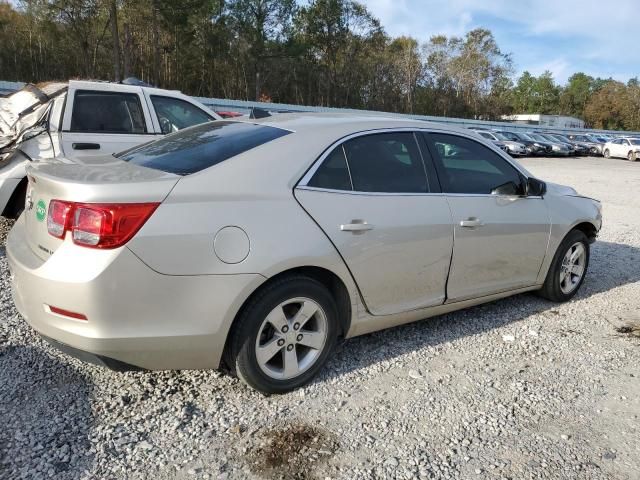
{"type": "Point", "coordinates": [291, 338]}
{"type": "Point", "coordinates": [572, 268]}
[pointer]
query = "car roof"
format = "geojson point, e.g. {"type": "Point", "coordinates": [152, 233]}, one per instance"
{"type": "Point", "coordinates": [80, 84]}
{"type": "Point", "coordinates": [337, 125]}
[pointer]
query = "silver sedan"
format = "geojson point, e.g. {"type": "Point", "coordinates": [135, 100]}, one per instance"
{"type": "Point", "coordinates": [256, 245]}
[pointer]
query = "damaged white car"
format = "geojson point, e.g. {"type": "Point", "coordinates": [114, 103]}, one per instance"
{"type": "Point", "coordinates": [77, 119]}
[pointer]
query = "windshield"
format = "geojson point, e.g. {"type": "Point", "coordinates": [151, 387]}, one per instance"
{"type": "Point", "coordinates": [487, 135]}
{"type": "Point", "coordinates": [502, 136]}
{"type": "Point", "coordinates": [539, 137]}
{"type": "Point", "coordinates": [525, 136]}
{"type": "Point", "coordinates": [634, 141]}
{"type": "Point", "coordinates": [196, 148]}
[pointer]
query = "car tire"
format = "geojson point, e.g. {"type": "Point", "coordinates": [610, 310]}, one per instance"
{"type": "Point", "coordinates": [571, 258]}
{"type": "Point", "coordinates": [632, 157]}
{"type": "Point", "coordinates": [279, 358]}
{"type": "Point", "coordinates": [606, 153]}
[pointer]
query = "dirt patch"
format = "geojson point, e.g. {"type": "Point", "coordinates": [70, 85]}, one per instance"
{"type": "Point", "coordinates": [293, 452]}
{"type": "Point", "coordinates": [631, 329]}
{"type": "Point", "coordinates": [627, 324]}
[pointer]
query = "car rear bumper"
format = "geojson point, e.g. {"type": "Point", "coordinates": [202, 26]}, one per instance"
{"type": "Point", "coordinates": [135, 316]}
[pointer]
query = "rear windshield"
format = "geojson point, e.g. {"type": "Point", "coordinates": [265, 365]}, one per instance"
{"type": "Point", "coordinates": [196, 148]}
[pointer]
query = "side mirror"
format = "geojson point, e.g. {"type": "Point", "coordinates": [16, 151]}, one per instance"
{"type": "Point", "coordinates": [536, 188]}
{"type": "Point", "coordinates": [510, 189]}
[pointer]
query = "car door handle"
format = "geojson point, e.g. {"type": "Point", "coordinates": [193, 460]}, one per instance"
{"type": "Point", "coordinates": [85, 146]}
{"type": "Point", "coordinates": [356, 226]}
{"type": "Point", "coordinates": [471, 223]}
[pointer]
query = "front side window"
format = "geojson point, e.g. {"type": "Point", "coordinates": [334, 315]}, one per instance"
{"type": "Point", "coordinates": [196, 148]}
{"type": "Point", "coordinates": [466, 166]}
{"type": "Point", "coordinates": [107, 112]}
{"type": "Point", "coordinates": [386, 162]}
{"type": "Point", "coordinates": [175, 114]}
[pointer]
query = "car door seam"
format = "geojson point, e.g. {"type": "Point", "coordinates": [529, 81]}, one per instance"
{"type": "Point", "coordinates": [337, 251]}
{"type": "Point", "coordinates": [453, 246]}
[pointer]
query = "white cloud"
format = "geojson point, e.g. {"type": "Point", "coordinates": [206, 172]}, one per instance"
{"type": "Point", "coordinates": [554, 34]}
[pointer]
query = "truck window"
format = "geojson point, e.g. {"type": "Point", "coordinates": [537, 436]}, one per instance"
{"type": "Point", "coordinates": [175, 114]}
{"type": "Point", "coordinates": [107, 112]}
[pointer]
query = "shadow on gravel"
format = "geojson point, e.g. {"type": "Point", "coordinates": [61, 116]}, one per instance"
{"type": "Point", "coordinates": [45, 416]}
{"type": "Point", "coordinates": [611, 265]}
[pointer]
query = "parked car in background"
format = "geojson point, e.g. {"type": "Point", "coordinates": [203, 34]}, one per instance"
{"type": "Point", "coordinates": [532, 147]}
{"type": "Point", "coordinates": [628, 148]}
{"type": "Point", "coordinates": [579, 148]}
{"type": "Point", "coordinates": [515, 149]}
{"type": "Point", "coordinates": [81, 119]}
{"type": "Point", "coordinates": [555, 139]}
{"type": "Point", "coordinates": [256, 245]}
{"type": "Point", "coordinates": [557, 148]}
{"type": "Point", "coordinates": [594, 145]}
{"type": "Point", "coordinates": [229, 114]}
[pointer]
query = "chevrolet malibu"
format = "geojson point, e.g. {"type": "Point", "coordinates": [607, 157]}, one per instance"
{"type": "Point", "coordinates": [256, 245]}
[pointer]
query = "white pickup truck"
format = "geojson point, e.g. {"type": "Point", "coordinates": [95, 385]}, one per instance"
{"type": "Point", "coordinates": [77, 119]}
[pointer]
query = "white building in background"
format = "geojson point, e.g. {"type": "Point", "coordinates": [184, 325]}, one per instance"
{"type": "Point", "coordinates": [557, 121]}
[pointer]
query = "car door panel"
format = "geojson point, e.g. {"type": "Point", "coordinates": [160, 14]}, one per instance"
{"type": "Point", "coordinates": [81, 141]}
{"type": "Point", "coordinates": [500, 241]}
{"type": "Point", "coordinates": [506, 249]}
{"type": "Point", "coordinates": [379, 204]}
{"type": "Point", "coordinates": [402, 262]}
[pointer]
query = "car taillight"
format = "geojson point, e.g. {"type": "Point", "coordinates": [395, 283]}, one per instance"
{"type": "Point", "coordinates": [98, 225]}
{"type": "Point", "coordinates": [58, 218]}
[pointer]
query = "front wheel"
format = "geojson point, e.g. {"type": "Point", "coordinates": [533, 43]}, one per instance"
{"type": "Point", "coordinates": [568, 268]}
{"type": "Point", "coordinates": [606, 153]}
{"type": "Point", "coordinates": [285, 335]}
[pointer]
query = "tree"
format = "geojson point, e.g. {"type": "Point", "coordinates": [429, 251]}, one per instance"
{"type": "Point", "coordinates": [262, 25]}
{"type": "Point", "coordinates": [608, 107]}
{"type": "Point", "coordinates": [576, 94]}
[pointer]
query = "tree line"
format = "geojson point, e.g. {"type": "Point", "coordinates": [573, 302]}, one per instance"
{"type": "Point", "coordinates": [318, 52]}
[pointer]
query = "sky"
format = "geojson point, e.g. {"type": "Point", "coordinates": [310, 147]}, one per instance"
{"type": "Point", "coordinates": [597, 37]}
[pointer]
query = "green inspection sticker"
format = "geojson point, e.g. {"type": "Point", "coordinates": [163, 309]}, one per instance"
{"type": "Point", "coordinates": [41, 211]}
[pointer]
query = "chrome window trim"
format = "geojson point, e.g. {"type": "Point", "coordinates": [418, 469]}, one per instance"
{"type": "Point", "coordinates": [303, 182]}
{"type": "Point", "coordinates": [417, 194]}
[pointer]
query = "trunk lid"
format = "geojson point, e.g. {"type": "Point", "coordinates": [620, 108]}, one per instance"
{"type": "Point", "coordinates": [103, 179]}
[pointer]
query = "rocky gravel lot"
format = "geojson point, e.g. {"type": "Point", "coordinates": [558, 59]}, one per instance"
{"type": "Point", "coordinates": [517, 389]}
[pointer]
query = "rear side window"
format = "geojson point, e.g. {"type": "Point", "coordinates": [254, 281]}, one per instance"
{"type": "Point", "coordinates": [107, 112]}
{"type": "Point", "coordinates": [333, 174]}
{"type": "Point", "coordinates": [175, 114]}
{"type": "Point", "coordinates": [194, 149]}
{"type": "Point", "coordinates": [386, 162]}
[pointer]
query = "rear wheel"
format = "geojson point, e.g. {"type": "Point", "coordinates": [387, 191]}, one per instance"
{"type": "Point", "coordinates": [631, 156]}
{"type": "Point", "coordinates": [568, 268]}
{"type": "Point", "coordinates": [284, 335]}
{"type": "Point", "coordinates": [606, 153]}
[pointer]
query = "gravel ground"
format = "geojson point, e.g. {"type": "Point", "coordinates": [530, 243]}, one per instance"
{"type": "Point", "coordinates": [520, 388]}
